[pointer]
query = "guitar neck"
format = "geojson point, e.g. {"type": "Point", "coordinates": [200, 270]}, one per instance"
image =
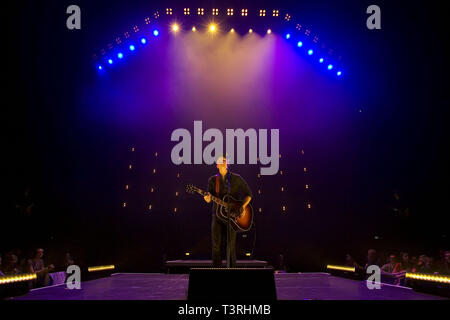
{"type": "Point", "coordinates": [213, 198]}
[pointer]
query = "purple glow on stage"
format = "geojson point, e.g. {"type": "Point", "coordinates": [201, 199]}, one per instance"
{"type": "Point", "coordinates": [225, 80]}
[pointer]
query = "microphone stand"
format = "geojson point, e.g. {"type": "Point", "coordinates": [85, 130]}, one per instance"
{"type": "Point", "coordinates": [228, 223]}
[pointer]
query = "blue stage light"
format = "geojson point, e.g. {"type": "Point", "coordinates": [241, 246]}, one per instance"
{"type": "Point", "coordinates": [310, 52]}
{"type": "Point", "coordinates": [339, 73]}
{"type": "Point", "coordinates": [143, 41]}
{"type": "Point", "coordinates": [321, 60]}
{"type": "Point", "coordinates": [110, 61]}
{"type": "Point", "coordinates": [299, 44]}
{"type": "Point", "coordinates": [155, 33]}
{"type": "Point", "coordinates": [330, 66]}
{"type": "Point", "coordinates": [288, 36]}
{"type": "Point", "coordinates": [100, 68]}
{"type": "Point", "coordinates": [120, 55]}
{"type": "Point", "coordinates": [132, 48]}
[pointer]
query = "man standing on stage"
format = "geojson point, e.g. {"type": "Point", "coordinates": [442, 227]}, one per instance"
{"type": "Point", "coordinates": [218, 186]}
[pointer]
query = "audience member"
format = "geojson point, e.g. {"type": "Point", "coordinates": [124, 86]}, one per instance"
{"type": "Point", "coordinates": [372, 258]}
{"type": "Point", "coordinates": [350, 262]}
{"type": "Point", "coordinates": [390, 266]}
{"type": "Point", "coordinates": [404, 265]}
{"type": "Point", "coordinates": [420, 265]}
{"type": "Point", "coordinates": [443, 266]}
{"type": "Point", "coordinates": [68, 260]}
{"type": "Point", "coordinates": [11, 267]}
{"type": "Point", "coordinates": [38, 267]}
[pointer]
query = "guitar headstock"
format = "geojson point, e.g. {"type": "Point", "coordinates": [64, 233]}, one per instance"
{"type": "Point", "coordinates": [190, 188]}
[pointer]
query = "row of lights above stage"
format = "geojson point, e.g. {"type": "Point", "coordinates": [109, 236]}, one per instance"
{"type": "Point", "coordinates": [212, 28]}
{"type": "Point", "coordinates": [311, 52]}
{"type": "Point", "coordinates": [229, 12]}
{"type": "Point", "coordinates": [131, 48]}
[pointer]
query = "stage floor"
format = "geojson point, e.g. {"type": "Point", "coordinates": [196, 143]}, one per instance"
{"type": "Point", "coordinates": [157, 286]}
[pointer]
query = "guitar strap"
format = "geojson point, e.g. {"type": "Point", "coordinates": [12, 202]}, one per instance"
{"type": "Point", "coordinates": [217, 185]}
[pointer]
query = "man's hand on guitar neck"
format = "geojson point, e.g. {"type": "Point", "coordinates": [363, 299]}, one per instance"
{"type": "Point", "coordinates": [207, 197]}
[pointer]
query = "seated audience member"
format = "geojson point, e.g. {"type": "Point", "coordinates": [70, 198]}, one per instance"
{"type": "Point", "coordinates": [38, 267]}
{"type": "Point", "coordinates": [350, 262]}
{"type": "Point", "coordinates": [68, 260]}
{"type": "Point", "coordinates": [404, 265]}
{"type": "Point", "coordinates": [390, 266]}
{"type": "Point", "coordinates": [420, 265]}
{"type": "Point", "coordinates": [372, 258]}
{"type": "Point", "coordinates": [25, 265]}
{"type": "Point", "coordinates": [443, 266]}
{"type": "Point", "coordinates": [429, 265]}
{"type": "Point", "coordinates": [446, 265]}
{"type": "Point", "coordinates": [11, 267]}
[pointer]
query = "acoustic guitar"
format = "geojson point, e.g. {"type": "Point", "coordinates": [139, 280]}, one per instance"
{"type": "Point", "coordinates": [239, 221]}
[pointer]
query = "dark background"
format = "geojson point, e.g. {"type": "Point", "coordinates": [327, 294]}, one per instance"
{"type": "Point", "coordinates": [395, 139]}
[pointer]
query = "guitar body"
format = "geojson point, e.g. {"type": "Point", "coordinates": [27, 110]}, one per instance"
{"type": "Point", "coordinates": [239, 222]}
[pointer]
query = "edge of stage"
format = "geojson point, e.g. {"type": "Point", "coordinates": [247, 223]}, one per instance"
{"type": "Point", "coordinates": [159, 286]}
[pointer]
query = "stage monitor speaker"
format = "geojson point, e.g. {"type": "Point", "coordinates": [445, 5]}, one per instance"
{"type": "Point", "coordinates": [231, 284]}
